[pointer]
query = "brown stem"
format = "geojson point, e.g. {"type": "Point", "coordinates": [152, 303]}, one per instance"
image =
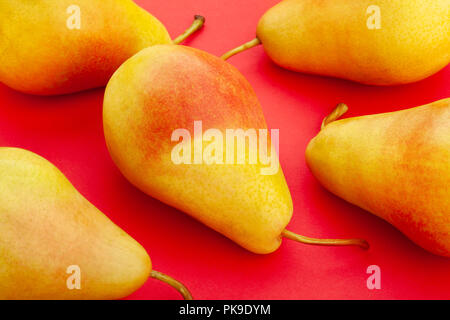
{"type": "Point", "coordinates": [253, 43]}
{"type": "Point", "coordinates": [340, 109]}
{"type": "Point", "coordinates": [325, 242]}
{"type": "Point", "coordinates": [198, 23]}
{"type": "Point", "coordinates": [173, 283]}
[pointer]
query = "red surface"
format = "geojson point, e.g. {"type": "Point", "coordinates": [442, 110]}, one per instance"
{"type": "Point", "coordinates": [67, 130]}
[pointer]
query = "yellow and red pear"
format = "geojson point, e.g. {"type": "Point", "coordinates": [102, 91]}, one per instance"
{"type": "Point", "coordinates": [54, 244]}
{"type": "Point", "coordinates": [165, 88]}
{"type": "Point", "coordinates": [52, 47]}
{"type": "Point", "coordinates": [395, 165]}
{"type": "Point", "coordinates": [383, 42]}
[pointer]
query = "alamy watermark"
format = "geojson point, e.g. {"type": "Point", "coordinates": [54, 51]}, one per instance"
{"type": "Point", "coordinates": [374, 20]}
{"type": "Point", "coordinates": [74, 280]}
{"type": "Point", "coordinates": [229, 147]}
{"type": "Point", "coordinates": [73, 22]}
{"type": "Point", "coordinates": [374, 281]}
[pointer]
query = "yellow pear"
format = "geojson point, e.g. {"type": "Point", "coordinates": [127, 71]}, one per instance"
{"type": "Point", "coordinates": [384, 42]}
{"type": "Point", "coordinates": [164, 89]}
{"type": "Point", "coordinates": [54, 244]}
{"type": "Point", "coordinates": [395, 165]}
{"type": "Point", "coordinates": [52, 47]}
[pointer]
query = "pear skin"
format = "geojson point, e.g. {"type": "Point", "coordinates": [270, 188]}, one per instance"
{"type": "Point", "coordinates": [40, 54]}
{"type": "Point", "coordinates": [386, 42]}
{"type": "Point", "coordinates": [166, 87]}
{"type": "Point", "coordinates": [47, 226]}
{"type": "Point", "coordinates": [395, 165]}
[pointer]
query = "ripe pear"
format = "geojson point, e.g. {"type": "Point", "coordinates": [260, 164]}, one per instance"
{"type": "Point", "coordinates": [395, 165]}
{"type": "Point", "coordinates": [49, 232]}
{"type": "Point", "coordinates": [165, 88]}
{"type": "Point", "coordinates": [386, 42]}
{"type": "Point", "coordinates": [52, 47]}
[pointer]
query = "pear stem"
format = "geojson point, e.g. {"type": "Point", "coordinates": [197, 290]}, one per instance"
{"type": "Point", "coordinates": [173, 283]}
{"type": "Point", "coordinates": [253, 43]}
{"type": "Point", "coordinates": [198, 23]}
{"type": "Point", "coordinates": [325, 242]}
{"type": "Point", "coordinates": [338, 112]}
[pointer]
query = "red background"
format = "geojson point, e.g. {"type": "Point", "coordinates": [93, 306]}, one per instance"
{"type": "Point", "coordinates": [67, 130]}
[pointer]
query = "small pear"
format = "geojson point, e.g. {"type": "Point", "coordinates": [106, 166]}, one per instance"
{"type": "Point", "coordinates": [54, 244]}
{"type": "Point", "coordinates": [383, 42]}
{"type": "Point", "coordinates": [167, 89]}
{"type": "Point", "coordinates": [395, 165]}
{"type": "Point", "coordinates": [52, 47]}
